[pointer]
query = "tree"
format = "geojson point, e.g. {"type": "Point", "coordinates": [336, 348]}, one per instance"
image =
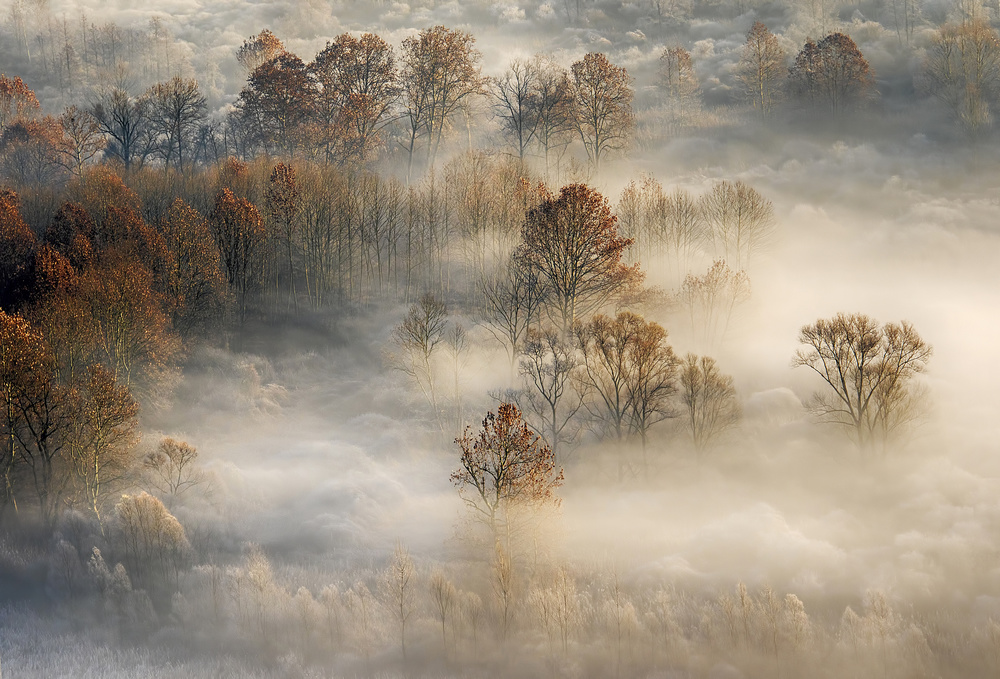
{"type": "Point", "coordinates": [740, 221]}
{"type": "Point", "coordinates": [176, 110]}
{"type": "Point", "coordinates": [357, 89]}
{"type": "Point", "coordinates": [30, 151]}
{"type": "Point", "coordinates": [832, 72]}
{"type": "Point", "coordinates": [17, 100]}
{"type": "Point", "coordinates": [516, 104]}
{"type": "Point", "coordinates": [83, 140]}
{"type": "Point", "coordinates": [554, 109]}
{"type": "Point", "coordinates": [124, 119]}
{"type": "Point", "coordinates": [239, 235]}
{"type": "Point", "coordinates": [277, 104]}
{"type": "Point", "coordinates": [153, 540]}
{"type": "Point", "coordinates": [603, 97]}
{"type": "Point", "coordinates": [440, 72]}
{"type": "Point", "coordinates": [548, 365]}
{"type": "Point", "coordinates": [398, 589]}
{"type": "Point", "coordinates": [761, 69]}
{"type": "Point", "coordinates": [134, 337]}
{"type": "Point", "coordinates": [963, 71]}
{"type": "Point", "coordinates": [869, 370]}
{"type": "Point", "coordinates": [417, 337]}
{"type": "Point", "coordinates": [18, 244]}
{"type": "Point", "coordinates": [172, 469]}
{"type": "Point", "coordinates": [710, 404]}
{"type": "Point", "coordinates": [512, 298]}
{"type": "Point", "coordinates": [37, 415]}
{"type": "Point", "coordinates": [631, 369]}
{"type": "Point", "coordinates": [258, 49]}
{"type": "Point", "coordinates": [680, 86]}
{"type": "Point", "coordinates": [103, 438]}
{"type": "Point", "coordinates": [195, 287]}
{"type": "Point", "coordinates": [710, 300]}
{"type": "Point", "coordinates": [572, 242]}
{"type": "Point", "coordinates": [505, 468]}
{"type": "Point", "coordinates": [283, 205]}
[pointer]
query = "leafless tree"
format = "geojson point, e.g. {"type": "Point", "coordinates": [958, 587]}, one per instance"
{"type": "Point", "coordinates": [869, 370]}
{"type": "Point", "coordinates": [548, 365]}
{"type": "Point", "coordinates": [417, 338]}
{"type": "Point", "coordinates": [680, 87]}
{"type": "Point", "coordinates": [603, 97]}
{"type": "Point", "coordinates": [762, 69]}
{"type": "Point", "coordinates": [740, 221]}
{"type": "Point", "coordinates": [710, 403]}
{"type": "Point", "coordinates": [177, 109]}
{"type": "Point", "coordinates": [512, 299]}
{"type": "Point", "coordinates": [515, 95]}
{"type": "Point", "coordinates": [963, 72]}
{"type": "Point", "coordinates": [711, 300]}
{"type": "Point", "coordinates": [398, 589]}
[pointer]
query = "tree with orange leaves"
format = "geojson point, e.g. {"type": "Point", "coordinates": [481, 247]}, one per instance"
{"type": "Point", "coordinates": [30, 150]}
{"type": "Point", "coordinates": [17, 100]}
{"type": "Point", "coordinates": [572, 241]}
{"type": "Point", "coordinates": [505, 468]}
{"type": "Point", "coordinates": [17, 247]}
{"type": "Point", "coordinates": [36, 415]}
{"type": "Point", "coordinates": [283, 205]}
{"type": "Point", "coordinates": [258, 50]}
{"type": "Point", "coordinates": [277, 103]}
{"type": "Point", "coordinates": [239, 234]}
{"type": "Point", "coordinates": [357, 87]}
{"type": "Point", "coordinates": [195, 287]}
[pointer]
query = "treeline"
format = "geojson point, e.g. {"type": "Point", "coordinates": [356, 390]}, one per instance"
{"type": "Point", "coordinates": [361, 101]}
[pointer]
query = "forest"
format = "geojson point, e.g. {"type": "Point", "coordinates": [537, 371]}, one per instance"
{"type": "Point", "coordinates": [589, 338]}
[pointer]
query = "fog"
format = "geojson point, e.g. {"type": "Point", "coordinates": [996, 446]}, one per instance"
{"type": "Point", "coordinates": [316, 450]}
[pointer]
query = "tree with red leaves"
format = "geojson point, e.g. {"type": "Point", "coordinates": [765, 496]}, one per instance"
{"type": "Point", "coordinates": [572, 242]}
{"type": "Point", "coordinates": [506, 467]}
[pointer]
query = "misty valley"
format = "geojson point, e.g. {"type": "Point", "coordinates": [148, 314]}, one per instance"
{"type": "Point", "coordinates": [576, 338]}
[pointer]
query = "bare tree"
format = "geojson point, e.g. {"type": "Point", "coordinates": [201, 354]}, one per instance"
{"type": "Point", "coordinates": [398, 588]}
{"type": "Point", "coordinates": [548, 365]}
{"type": "Point", "coordinates": [710, 404]}
{"type": "Point", "coordinates": [83, 139]}
{"type": "Point", "coordinates": [417, 338]}
{"type": "Point", "coordinates": [124, 119]}
{"type": "Point", "coordinates": [869, 370]}
{"type": "Point", "coordinates": [631, 370]}
{"type": "Point", "coordinates": [762, 69]}
{"type": "Point", "coordinates": [963, 71]}
{"type": "Point", "coordinates": [711, 300]}
{"type": "Point", "coordinates": [172, 469]}
{"type": "Point", "coordinates": [177, 109]}
{"type": "Point", "coordinates": [445, 598]}
{"type": "Point", "coordinates": [555, 109]}
{"type": "Point", "coordinates": [512, 299]}
{"type": "Point", "coordinates": [680, 86]}
{"type": "Point", "coordinates": [515, 96]}
{"type": "Point", "coordinates": [603, 96]}
{"type": "Point", "coordinates": [740, 221]}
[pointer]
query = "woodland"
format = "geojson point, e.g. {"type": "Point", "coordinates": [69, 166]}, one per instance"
{"type": "Point", "coordinates": [452, 339]}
